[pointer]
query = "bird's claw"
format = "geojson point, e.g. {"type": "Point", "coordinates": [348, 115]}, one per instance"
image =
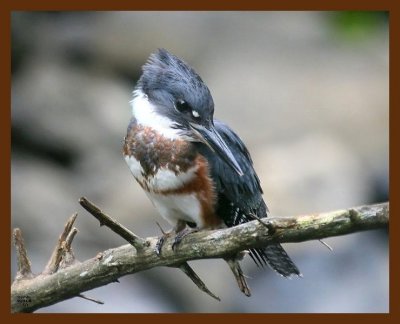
{"type": "Point", "coordinates": [179, 236]}
{"type": "Point", "coordinates": [177, 240]}
{"type": "Point", "coordinates": [159, 245]}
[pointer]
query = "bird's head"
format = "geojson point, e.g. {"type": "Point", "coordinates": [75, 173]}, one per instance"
{"type": "Point", "coordinates": [172, 98]}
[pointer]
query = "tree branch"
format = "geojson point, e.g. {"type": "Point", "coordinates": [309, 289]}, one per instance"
{"type": "Point", "coordinates": [108, 266]}
{"type": "Point", "coordinates": [111, 223]}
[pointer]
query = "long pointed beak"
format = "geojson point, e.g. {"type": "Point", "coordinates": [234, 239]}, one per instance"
{"type": "Point", "coordinates": [210, 137]}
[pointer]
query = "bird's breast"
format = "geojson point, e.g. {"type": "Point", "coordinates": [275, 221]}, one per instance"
{"type": "Point", "coordinates": [159, 163]}
{"type": "Point", "coordinates": [173, 174]}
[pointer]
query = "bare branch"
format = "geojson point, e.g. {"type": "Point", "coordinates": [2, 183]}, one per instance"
{"type": "Point", "coordinates": [133, 239]}
{"type": "Point", "coordinates": [239, 276]}
{"type": "Point", "coordinates": [326, 245]}
{"type": "Point", "coordinates": [91, 299]}
{"type": "Point", "coordinates": [68, 257]}
{"type": "Point", "coordinates": [111, 223]}
{"type": "Point", "coordinates": [70, 238]}
{"type": "Point", "coordinates": [187, 270]}
{"type": "Point", "coordinates": [55, 259]}
{"type": "Point", "coordinates": [112, 264]}
{"type": "Point", "coordinates": [24, 265]}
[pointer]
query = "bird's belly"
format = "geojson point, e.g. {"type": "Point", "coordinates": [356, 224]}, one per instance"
{"type": "Point", "coordinates": [174, 207]}
{"type": "Point", "coordinates": [161, 179]}
{"type": "Point", "coordinates": [165, 189]}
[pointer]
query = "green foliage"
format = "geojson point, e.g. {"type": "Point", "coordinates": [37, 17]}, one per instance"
{"type": "Point", "coordinates": [358, 25]}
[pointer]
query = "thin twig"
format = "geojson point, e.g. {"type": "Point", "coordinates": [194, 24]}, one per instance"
{"type": "Point", "coordinates": [255, 217]}
{"type": "Point", "coordinates": [187, 270]}
{"type": "Point", "coordinates": [70, 238]}
{"type": "Point", "coordinates": [91, 299]}
{"type": "Point", "coordinates": [56, 256]}
{"type": "Point", "coordinates": [24, 265]}
{"type": "Point", "coordinates": [112, 224]}
{"type": "Point", "coordinates": [68, 257]}
{"type": "Point", "coordinates": [161, 229]}
{"type": "Point", "coordinates": [239, 276]}
{"type": "Point", "coordinates": [326, 245]}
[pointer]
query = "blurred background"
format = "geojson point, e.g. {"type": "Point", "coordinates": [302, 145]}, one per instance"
{"type": "Point", "coordinates": [306, 91]}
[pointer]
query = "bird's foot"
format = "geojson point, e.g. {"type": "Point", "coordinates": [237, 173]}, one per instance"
{"type": "Point", "coordinates": [180, 235]}
{"type": "Point", "coordinates": [180, 230]}
{"type": "Point", "coordinates": [161, 240]}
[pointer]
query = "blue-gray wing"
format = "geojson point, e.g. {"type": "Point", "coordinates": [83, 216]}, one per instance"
{"type": "Point", "coordinates": [239, 198]}
{"type": "Point", "coordinates": [242, 192]}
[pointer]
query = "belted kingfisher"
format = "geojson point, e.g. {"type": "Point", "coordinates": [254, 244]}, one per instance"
{"type": "Point", "coordinates": [195, 169]}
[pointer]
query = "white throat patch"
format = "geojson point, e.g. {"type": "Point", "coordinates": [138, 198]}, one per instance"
{"type": "Point", "coordinates": [146, 114]}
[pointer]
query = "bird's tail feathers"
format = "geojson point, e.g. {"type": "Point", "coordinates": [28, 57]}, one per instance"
{"type": "Point", "coordinates": [277, 259]}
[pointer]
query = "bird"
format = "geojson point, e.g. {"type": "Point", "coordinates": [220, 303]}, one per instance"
{"type": "Point", "coordinates": [195, 169]}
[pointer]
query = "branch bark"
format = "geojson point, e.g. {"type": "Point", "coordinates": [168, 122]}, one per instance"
{"type": "Point", "coordinates": [30, 294]}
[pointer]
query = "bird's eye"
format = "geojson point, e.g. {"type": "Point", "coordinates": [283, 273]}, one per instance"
{"type": "Point", "coordinates": [182, 106]}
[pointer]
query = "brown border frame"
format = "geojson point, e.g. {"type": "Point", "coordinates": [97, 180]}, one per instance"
{"type": "Point", "coordinates": [7, 6]}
